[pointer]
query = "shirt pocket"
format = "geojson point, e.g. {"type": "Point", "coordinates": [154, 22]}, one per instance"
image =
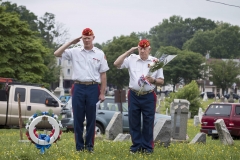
{"type": "Point", "coordinates": [94, 62]}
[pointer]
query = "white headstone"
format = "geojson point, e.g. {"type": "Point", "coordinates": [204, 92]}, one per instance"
{"type": "Point", "coordinates": [205, 98]}
{"type": "Point", "coordinates": [200, 114]}
{"type": "Point", "coordinates": [167, 111]}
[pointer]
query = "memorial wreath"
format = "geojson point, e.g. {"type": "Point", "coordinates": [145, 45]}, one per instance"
{"type": "Point", "coordinates": [43, 141]}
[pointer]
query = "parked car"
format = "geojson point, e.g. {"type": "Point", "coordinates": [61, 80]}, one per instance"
{"type": "Point", "coordinates": [105, 114]}
{"type": "Point", "coordinates": [209, 94]}
{"type": "Point", "coordinates": [235, 96]}
{"type": "Point", "coordinates": [64, 99]}
{"type": "Point", "coordinates": [229, 112]}
{"type": "Point", "coordinates": [33, 98]}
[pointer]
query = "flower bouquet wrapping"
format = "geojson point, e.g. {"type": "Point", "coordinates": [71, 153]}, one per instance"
{"type": "Point", "coordinates": [155, 65]}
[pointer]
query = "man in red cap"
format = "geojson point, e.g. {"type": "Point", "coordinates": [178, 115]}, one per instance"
{"type": "Point", "coordinates": [144, 103]}
{"type": "Point", "coordinates": [89, 71]}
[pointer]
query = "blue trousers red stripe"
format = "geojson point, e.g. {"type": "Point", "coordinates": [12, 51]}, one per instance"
{"type": "Point", "coordinates": [84, 101]}
{"type": "Point", "coordinates": [141, 107]}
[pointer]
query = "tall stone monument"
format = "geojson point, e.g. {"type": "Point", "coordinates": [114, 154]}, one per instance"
{"type": "Point", "coordinates": [59, 91]}
{"type": "Point", "coordinates": [179, 114]}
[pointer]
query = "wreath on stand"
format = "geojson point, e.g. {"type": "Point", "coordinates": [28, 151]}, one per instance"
{"type": "Point", "coordinates": [43, 141]}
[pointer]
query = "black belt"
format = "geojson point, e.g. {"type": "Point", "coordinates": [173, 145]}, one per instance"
{"type": "Point", "coordinates": [86, 83]}
{"type": "Point", "coordinates": [141, 93]}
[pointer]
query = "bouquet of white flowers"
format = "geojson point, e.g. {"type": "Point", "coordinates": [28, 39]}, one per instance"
{"type": "Point", "coordinates": [155, 65]}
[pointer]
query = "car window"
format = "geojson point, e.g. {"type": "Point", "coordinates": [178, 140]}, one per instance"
{"type": "Point", "coordinates": [109, 104]}
{"type": "Point", "coordinates": [112, 106]}
{"type": "Point", "coordinates": [219, 109]}
{"type": "Point", "coordinates": [39, 96]}
{"type": "Point", "coordinates": [22, 93]}
{"type": "Point", "coordinates": [237, 110]}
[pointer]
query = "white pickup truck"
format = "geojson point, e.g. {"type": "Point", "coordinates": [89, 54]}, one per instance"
{"type": "Point", "coordinates": [32, 99]}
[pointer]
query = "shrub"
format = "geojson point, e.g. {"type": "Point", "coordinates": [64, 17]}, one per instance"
{"type": "Point", "coordinates": [189, 92]}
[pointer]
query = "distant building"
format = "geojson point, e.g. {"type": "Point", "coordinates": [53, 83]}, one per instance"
{"type": "Point", "coordinates": [67, 73]}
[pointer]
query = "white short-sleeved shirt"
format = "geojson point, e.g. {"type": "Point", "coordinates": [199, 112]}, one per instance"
{"type": "Point", "coordinates": [86, 64]}
{"type": "Point", "coordinates": [138, 67]}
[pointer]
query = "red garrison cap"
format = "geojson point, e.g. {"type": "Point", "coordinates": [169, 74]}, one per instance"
{"type": "Point", "coordinates": [87, 32]}
{"type": "Point", "coordinates": [144, 43]}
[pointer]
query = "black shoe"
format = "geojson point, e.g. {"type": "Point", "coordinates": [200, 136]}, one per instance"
{"type": "Point", "coordinates": [91, 151]}
{"type": "Point", "coordinates": [147, 152]}
{"type": "Point", "coordinates": [137, 151]}
{"type": "Point", "coordinates": [80, 150]}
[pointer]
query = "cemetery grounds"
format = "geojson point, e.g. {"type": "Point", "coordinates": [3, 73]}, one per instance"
{"type": "Point", "coordinates": [64, 149]}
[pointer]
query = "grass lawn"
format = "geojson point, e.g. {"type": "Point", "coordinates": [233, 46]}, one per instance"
{"type": "Point", "coordinates": [64, 149]}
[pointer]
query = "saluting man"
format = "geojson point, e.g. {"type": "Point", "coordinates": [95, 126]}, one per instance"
{"type": "Point", "coordinates": [144, 103]}
{"type": "Point", "coordinates": [89, 71]}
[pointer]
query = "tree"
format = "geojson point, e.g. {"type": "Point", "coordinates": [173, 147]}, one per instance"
{"type": "Point", "coordinates": [224, 73]}
{"type": "Point", "coordinates": [113, 49]}
{"type": "Point", "coordinates": [182, 69]}
{"type": "Point", "coordinates": [52, 33]}
{"type": "Point", "coordinates": [24, 14]}
{"type": "Point", "coordinates": [175, 31]}
{"type": "Point", "coordinates": [20, 49]}
{"type": "Point", "coordinates": [222, 42]}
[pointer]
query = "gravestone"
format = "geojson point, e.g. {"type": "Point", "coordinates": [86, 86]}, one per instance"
{"type": "Point", "coordinates": [196, 121]}
{"type": "Point", "coordinates": [199, 138]}
{"type": "Point", "coordinates": [114, 127]}
{"type": "Point", "coordinates": [59, 91]}
{"type": "Point", "coordinates": [158, 109]}
{"type": "Point", "coordinates": [179, 122]}
{"type": "Point", "coordinates": [175, 103]}
{"type": "Point", "coordinates": [231, 100]}
{"type": "Point", "coordinates": [223, 132]}
{"type": "Point", "coordinates": [162, 132]}
{"type": "Point", "coordinates": [122, 137]}
{"type": "Point", "coordinates": [200, 114]}
{"type": "Point", "coordinates": [225, 100]}
{"type": "Point", "coordinates": [167, 111]}
{"type": "Point", "coordinates": [205, 98]}
{"type": "Point", "coordinates": [222, 99]}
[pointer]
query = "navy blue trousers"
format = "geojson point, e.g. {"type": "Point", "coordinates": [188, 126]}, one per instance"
{"type": "Point", "coordinates": [141, 107]}
{"type": "Point", "coordinates": [84, 101]}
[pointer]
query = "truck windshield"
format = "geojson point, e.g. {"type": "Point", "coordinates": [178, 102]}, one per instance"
{"type": "Point", "coordinates": [219, 109]}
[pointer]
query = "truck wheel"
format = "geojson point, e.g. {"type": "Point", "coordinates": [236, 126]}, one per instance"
{"type": "Point", "coordinates": [99, 129]}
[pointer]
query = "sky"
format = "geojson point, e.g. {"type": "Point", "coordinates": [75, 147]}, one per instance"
{"type": "Point", "coordinates": [109, 18]}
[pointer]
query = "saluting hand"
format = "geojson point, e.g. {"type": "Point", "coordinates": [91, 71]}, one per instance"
{"type": "Point", "coordinates": [133, 49]}
{"type": "Point", "coordinates": [75, 41]}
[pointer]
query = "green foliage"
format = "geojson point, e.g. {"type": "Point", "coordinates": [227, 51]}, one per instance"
{"type": "Point", "coordinates": [21, 50]}
{"type": "Point", "coordinates": [224, 73]}
{"type": "Point", "coordinates": [222, 42]}
{"type": "Point", "coordinates": [175, 31]}
{"type": "Point", "coordinates": [24, 14]}
{"type": "Point", "coordinates": [186, 66]}
{"type": "Point", "coordinates": [49, 34]}
{"type": "Point", "coordinates": [189, 92]}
